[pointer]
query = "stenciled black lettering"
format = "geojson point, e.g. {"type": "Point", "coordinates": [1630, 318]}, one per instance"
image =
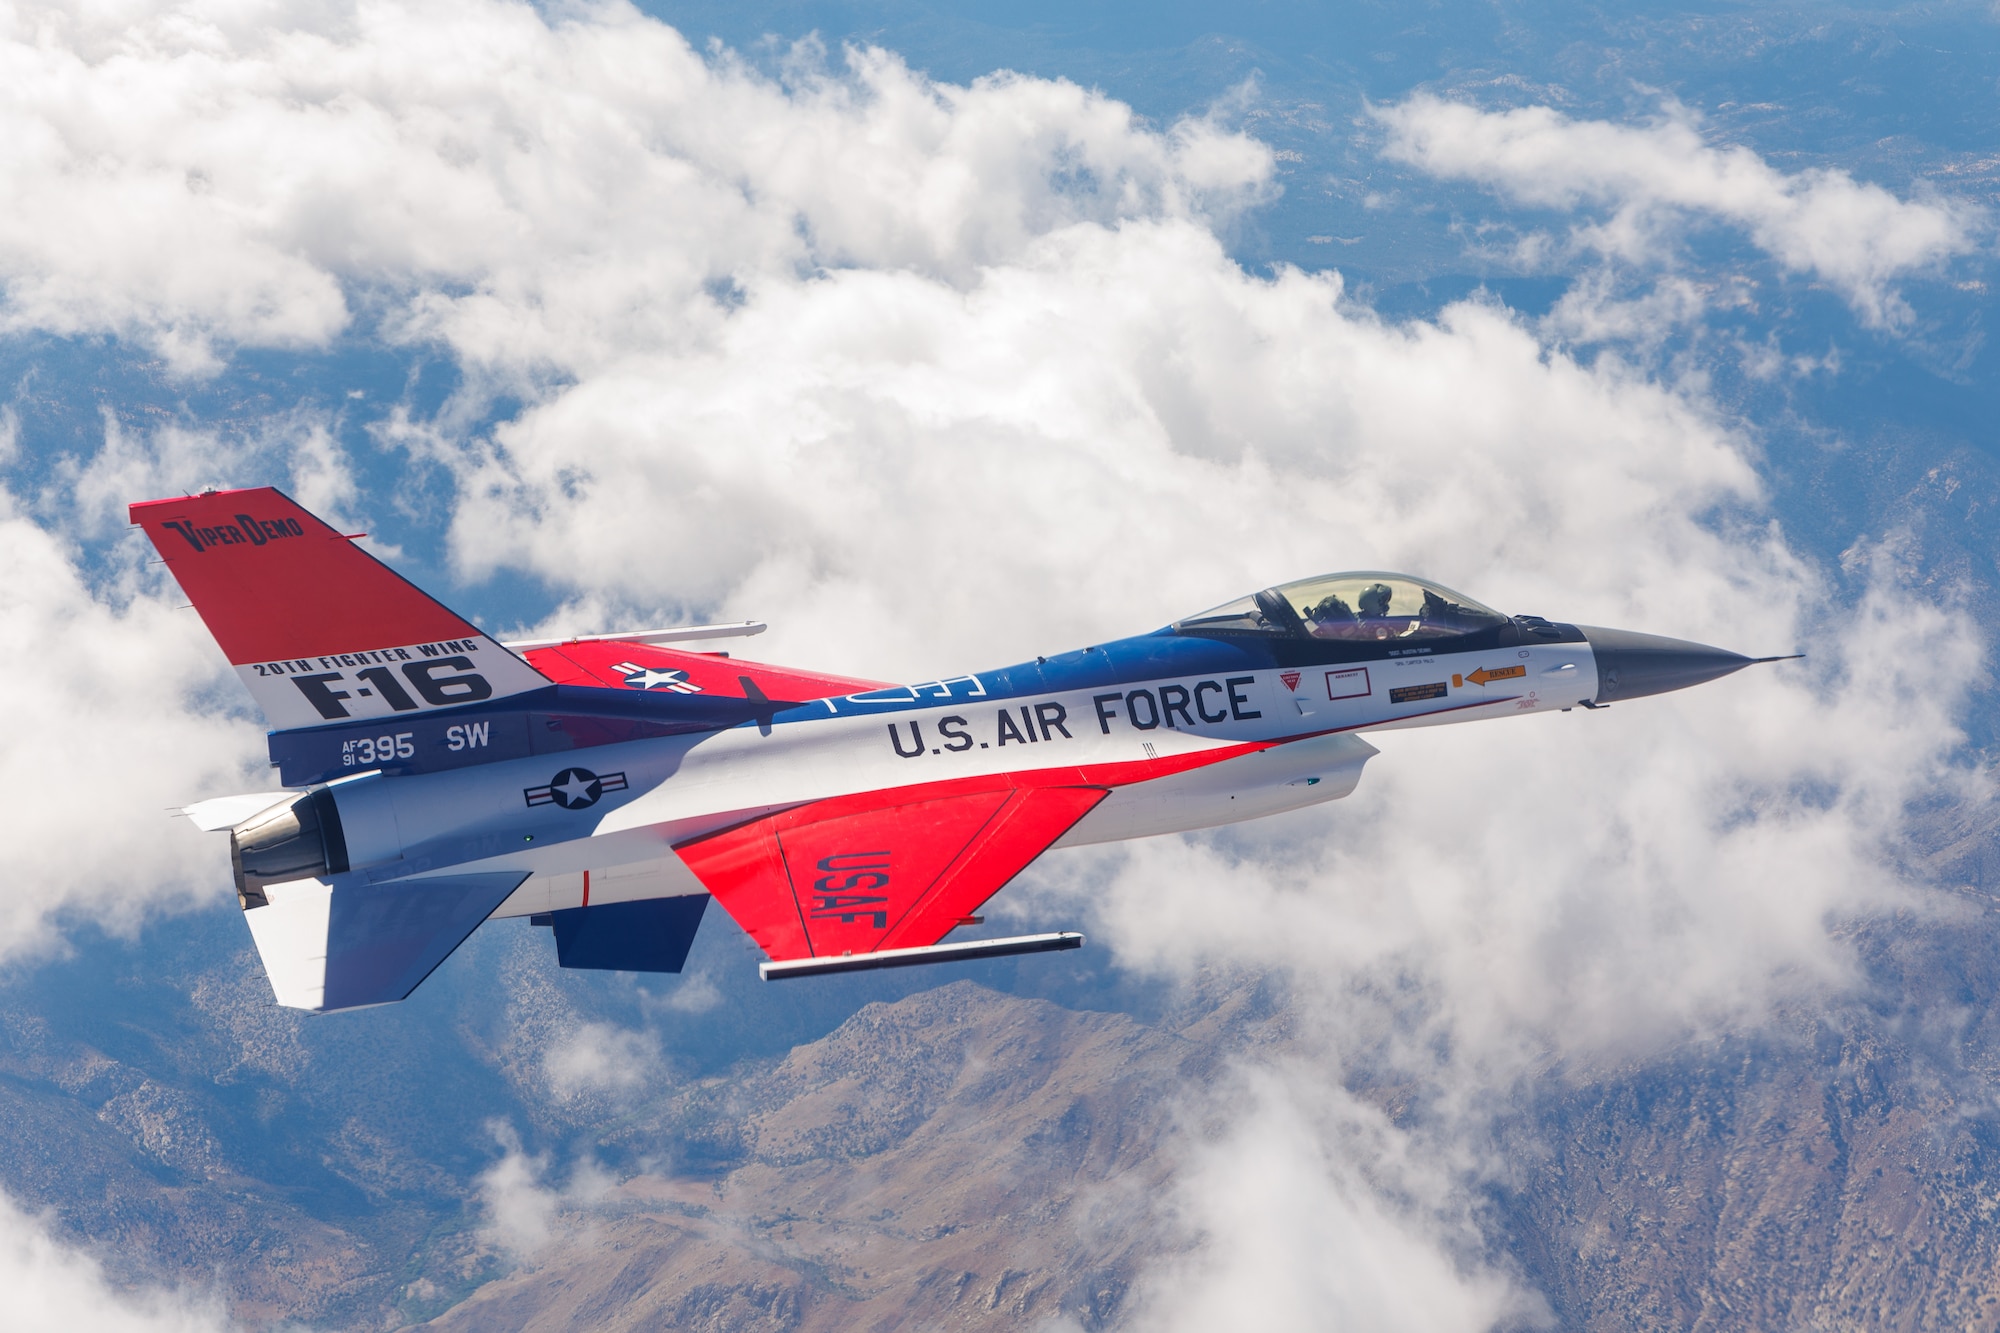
{"type": "Point", "coordinates": [388, 687]}
{"type": "Point", "coordinates": [1152, 709]}
{"type": "Point", "coordinates": [855, 861]}
{"type": "Point", "coordinates": [1028, 724]}
{"type": "Point", "coordinates": [428, 649]}
{"type": "Point", "coordinates": [841, 890]}
{"type": "Point", "coordinates": [916, 740]}
{"type": "Point", "coordinates": [956, 737]}
{"type": "Point", "coordinates": [253, 529]}
{"type": "Point", "coordinates": [847, 913]}
{"type": "Point", "coordinates": [1104, 713]}
{"type": "Point", "coordinates": [1008, 731]}
{"type": "Point", "coordinates": [1052, 715]}
{"type": "Point", "coordinates": [320, 693]}
{"type": "Point", "coordinates": [465, 688]}
{"type": "Point", "coordinates": [852, 881]}
{"type": "Point", "coordinates": [1202, 708]}
{"type": "Point", "coordinates": [1236, 701]}
{"type": "Point", "coordinates": [185, 530]}
{"type": "Point", "coordinates": [1174, 699]}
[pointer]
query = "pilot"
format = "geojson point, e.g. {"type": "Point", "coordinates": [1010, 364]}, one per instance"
{"type": "Point", "coordinates": [1331, 618]}
{"type": "Point", "coordinates": [1374, 607]}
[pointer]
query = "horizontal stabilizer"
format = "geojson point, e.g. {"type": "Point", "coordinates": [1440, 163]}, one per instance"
{"type": "Point", "coordinates": [222, 812]}
{"type": "Point", "coordinates": [966, 952]}
{"type": "Point", "coordinates": [342, 944]}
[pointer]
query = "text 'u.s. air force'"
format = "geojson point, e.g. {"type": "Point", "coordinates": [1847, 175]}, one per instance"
{"type": "Point", "coordinates": [1176, 707]}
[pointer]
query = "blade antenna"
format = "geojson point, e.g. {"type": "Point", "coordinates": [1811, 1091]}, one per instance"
{"type": "Point", "coordinates": [755, 693]}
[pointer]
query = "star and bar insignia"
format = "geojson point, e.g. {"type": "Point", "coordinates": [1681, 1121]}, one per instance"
{"type": "Point", "coordinates": [574, 789]}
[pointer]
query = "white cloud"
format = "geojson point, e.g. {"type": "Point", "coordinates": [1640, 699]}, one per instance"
{"type": "Point", "coordinates": [1295, 1173]}
{"type": "Point", "coordinates": [120, 710]}
{"type": "Point", "coordinates": [1592, 886]}
{"type": "Point", "coordinates": [50, 1285]}
{"type": "Point", "coordinates": [602, 1058]}
{"type": "Point", "coordinates": [693, 994]}
{"type": "Point", "coordinates": [1857, 237]}
{"type": "Point", "coordinates": [521, 1213]}
{"type": "Point", "coordinates": [534, 190]}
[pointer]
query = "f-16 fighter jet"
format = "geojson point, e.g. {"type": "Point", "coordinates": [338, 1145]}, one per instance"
{"type": "Point", "coordinates": [608, 786]}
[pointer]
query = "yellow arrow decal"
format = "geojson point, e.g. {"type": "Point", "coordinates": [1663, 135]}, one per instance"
{"type": "Point", "coordinates": [1484, 674]}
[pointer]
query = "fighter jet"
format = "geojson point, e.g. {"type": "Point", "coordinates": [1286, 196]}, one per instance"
{"type": "Point", "coordinates": [608, 786]}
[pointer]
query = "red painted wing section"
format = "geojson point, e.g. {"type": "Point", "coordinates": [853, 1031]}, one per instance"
{"type": "Point", "coordinates": [641, 666]}
{"type": "Point", "coordinates": [272, 582]}
{"type": "Point", "coordinates": [853, 875]}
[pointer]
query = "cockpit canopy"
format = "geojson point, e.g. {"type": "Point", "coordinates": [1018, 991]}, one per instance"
{"type": "Point", "coordinates": [1363, 606]}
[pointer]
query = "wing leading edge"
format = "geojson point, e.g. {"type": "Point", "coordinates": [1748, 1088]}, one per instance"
{"type": "Point", "coordinates": [864, 873]}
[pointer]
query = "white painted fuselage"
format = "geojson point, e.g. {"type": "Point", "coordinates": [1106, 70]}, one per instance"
{"type": "Point", "coordinates": [1176, 753]}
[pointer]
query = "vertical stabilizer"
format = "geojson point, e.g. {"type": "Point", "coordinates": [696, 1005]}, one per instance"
{"type": "Point", "coordinates": [318, 629]}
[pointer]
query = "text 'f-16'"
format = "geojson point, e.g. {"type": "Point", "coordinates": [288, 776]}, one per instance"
{"type": "Point", "coordinates": [607, 786]}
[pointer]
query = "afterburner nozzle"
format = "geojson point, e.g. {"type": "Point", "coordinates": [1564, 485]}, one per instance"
{"type": "Point", "coordinates": [1632, 666]}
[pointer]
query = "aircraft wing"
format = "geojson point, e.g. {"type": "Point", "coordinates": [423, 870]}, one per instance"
{"type": "Point", "coordinates": [342, 943]}
{"type": "Point", "coordinates": [859, 874]}
{"type": "Point", "coordinates": [643, 666]}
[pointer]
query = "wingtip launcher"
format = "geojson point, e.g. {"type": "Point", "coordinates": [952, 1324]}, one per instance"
{"type": "Point", "coordinates": [963, 952]}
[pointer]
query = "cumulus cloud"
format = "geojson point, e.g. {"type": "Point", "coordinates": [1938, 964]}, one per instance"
{"type": "Point", "coordinates": [124, 710]}
{"type": "Point", "coordinates": [938, 377]}
{"type": "Point", "coordinates": [694, 993]}
{"type": "Point", "coordinates": [521, 1212]}
{"type": "Point", "coordinates": [604, 1059]}
{"type": "Point", "coordinates": [1857, 237]}
{"type": "Point", "coordinates": [121, 710]}
{"type": "Point", "coordinates": [197, 175]}
{"type": "Point", "coordinates": [1610, 906]}
{"type": "Point", "coordinates": [53, 1285]}
{"type": "Point", "coordinates": [1297, 1171]}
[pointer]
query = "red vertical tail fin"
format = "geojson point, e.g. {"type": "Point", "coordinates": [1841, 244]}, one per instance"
{"type": "Point", "coordinates": [317, 628]}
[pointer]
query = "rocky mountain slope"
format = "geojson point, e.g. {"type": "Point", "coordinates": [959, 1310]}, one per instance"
{"type": "Point", "coordinates": [959, 1157]}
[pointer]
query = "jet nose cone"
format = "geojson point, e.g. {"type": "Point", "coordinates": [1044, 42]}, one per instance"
{"type": "Point", "coordinates": [1632, 666]}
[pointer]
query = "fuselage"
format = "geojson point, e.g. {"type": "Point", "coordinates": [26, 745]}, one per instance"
{"type": "Point", "coordinates": [1187, 730]}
